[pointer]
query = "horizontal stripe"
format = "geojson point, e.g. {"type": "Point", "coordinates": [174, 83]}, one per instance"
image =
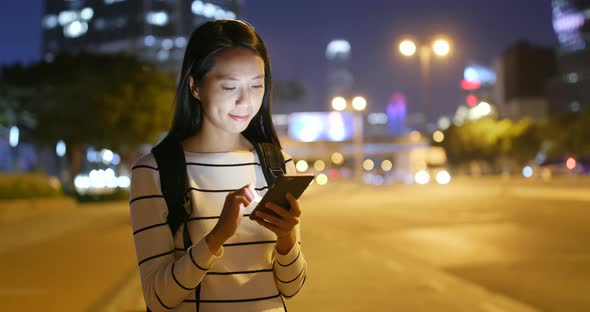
{"type": "Point", "coordinates": [160, 300]}
{"type": "Point", "coordinates": [211, 217]}
{"type": "Point", "coordinates": [156, 256]}
{"type": "Point", "coordinates": [239, 272]}
{"type": "Point", "coordinates": [235, 300]}
{"type": "Point", "coordinates": [144, 166]}
{"type": "Point", "coordinates": [149, 227]}
{"type": "Point", "coordinates": [221, 191]}
{"type": "Point", "coordinates": [176, 280]}
{"type": "Point", "coordinates": [229, 165]}
{"type": "Point", "coordinates": [222, 165]}
{"type": "Point", "coordinates": [244, 244]}
{"type": "Point", "coordinates": [207, 165]}
{"type": "Point", "coordinates": [287, 282]}
{"type": "Point", "coordinates": [249, 243]}
{"type": "Point", "coordinates": [286, 265]}
{"type": "Point", "coordinates": [145, 197]}
{"type": "Point", "coordinates": [190, 252]}
{"type": "Point", "coordinates": [302, 283]}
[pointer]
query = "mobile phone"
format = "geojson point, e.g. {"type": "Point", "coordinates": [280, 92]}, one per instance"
{"type": "Point", "coordinates": [287, 183]}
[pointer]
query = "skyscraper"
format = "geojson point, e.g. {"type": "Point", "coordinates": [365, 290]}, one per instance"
{"type": "Point", "coordinates": [340, 78]}
{"type": "Point", "coordinates": [153, 30]}
{"type": "Point", "coordinates": [571, 23]}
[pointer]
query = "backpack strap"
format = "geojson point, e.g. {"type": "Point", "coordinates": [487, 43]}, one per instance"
{"type": "Point", "coordinates": [272, 161]}
{"type": "Point", "coordinates": [169, 156]}
{"type": "Point", "coordinates": [173, 180]}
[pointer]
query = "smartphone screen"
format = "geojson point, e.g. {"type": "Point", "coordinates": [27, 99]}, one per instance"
{"type": "Point", "coordinates": [287, 183]}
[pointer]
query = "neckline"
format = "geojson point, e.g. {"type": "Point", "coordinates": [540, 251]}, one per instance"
{"type": "Point", "coordinates": [241, 152]}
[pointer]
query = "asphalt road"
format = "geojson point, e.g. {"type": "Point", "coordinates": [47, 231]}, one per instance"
{"type": "Point", "coordinates": [468, 246]}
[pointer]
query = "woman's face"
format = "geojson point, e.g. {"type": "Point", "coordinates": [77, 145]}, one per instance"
{"type": "Point", "coordinates": [231, 92]}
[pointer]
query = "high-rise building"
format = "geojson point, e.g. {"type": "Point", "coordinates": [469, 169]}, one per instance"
{"type": "Point", "coordinates": [154, 30]}
{"type": "Point", "coordinates": [524, 72]}
{"type": "Point", "coordinates": [340, 78]}
{"type": "Point", "coordinates": [571, 23]}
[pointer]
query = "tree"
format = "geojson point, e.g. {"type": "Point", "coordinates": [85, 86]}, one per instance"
{"type": "Point", "coordinates": [569, 134]}
{"type": "Point", "coordinates": [103, 100]}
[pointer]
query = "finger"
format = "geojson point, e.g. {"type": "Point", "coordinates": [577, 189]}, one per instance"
{"type": "Point", "coordinates": [274, 220]}
{"type": "Point", "coordinates": [241, 201]}
{"type": "Point", "coordinates": [269, 226]}
{"type": "Point", "coordinates": [246, 191]}
{"type": "Point", "coordinates": [284, 213]}
{"type": "Point", "coordinates": [295, 209]}
{"type": "Point", "coordinates": [257, 196]}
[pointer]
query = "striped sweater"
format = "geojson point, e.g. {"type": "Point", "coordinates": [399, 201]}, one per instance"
{"type": "Point", "coordinates": [247, 273]}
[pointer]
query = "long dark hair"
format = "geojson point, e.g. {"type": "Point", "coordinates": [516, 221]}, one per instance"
{"type": "Point", "coordinates": [207, 41]}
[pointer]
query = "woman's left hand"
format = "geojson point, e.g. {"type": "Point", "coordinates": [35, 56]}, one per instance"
{"type": "Point", "coordinates": [283, 227]}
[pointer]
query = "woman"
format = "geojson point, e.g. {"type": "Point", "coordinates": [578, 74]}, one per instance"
{"type": "Point", "coordinates": [222, 108]}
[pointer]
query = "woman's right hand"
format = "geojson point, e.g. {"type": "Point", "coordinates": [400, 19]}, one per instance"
{"type": "Point", "coordinates": [231, 215]}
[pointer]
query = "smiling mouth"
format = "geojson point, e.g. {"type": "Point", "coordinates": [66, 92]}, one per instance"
{"type": "Point", "coordinates": [239, 117]}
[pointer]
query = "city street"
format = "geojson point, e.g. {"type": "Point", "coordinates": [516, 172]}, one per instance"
{"type": "Point", "coordinates": [473, 245]}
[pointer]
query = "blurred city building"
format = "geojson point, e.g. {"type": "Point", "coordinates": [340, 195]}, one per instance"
{"type": "Point", "coordinates": [340, 80]}
{"type": "Point", "coordinates": [290, 96]}
{"type": "Point", "coordinates": [153, 30]}
{"type": "Point", "coordinates": [570, 90]}
{"type": "Point", "coordinates": [478, 86]}
{"type": "Point", "coordinates": [523, 74]}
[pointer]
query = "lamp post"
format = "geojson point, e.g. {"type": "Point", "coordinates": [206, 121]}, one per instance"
{"type": "Point", "coordinates": [359, 104]}
{"type": "Point", "coordinates": [440, 47]}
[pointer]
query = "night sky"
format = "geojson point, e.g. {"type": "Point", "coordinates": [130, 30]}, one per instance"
{"type": "Point", "coordinates": [297, 32]}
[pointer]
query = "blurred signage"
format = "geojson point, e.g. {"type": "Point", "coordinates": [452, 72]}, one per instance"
{"type": "Point", "coordinates": [321, 126]}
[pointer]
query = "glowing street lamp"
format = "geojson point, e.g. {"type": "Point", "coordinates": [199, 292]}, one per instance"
{"type": "Point", "coordinates": [339, 103]}
{"type": "Point", "coordinates": [407, 48]}
{"type": "Point", "coordinates": [359, 104]}
{"type": "Point", "coordinates": [440, 47]}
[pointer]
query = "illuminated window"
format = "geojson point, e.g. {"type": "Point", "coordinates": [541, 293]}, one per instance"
{"type": "Point", "coordinates": [67, 17]}
{"type": "Point", "coordinates": [210, 10]}
{"type": "Point", "coordinates": [50, 21]}
{"type": "Point", "coordinates": [159, 18]}
{"type": "Point", "coordinates": [167, 44]}
{"type": "Point", "coordinates": [75, 29]}
{"type": "Point", "coordinates": [149, 41]}
{"type": "Point", "coordinates": [87, 14]}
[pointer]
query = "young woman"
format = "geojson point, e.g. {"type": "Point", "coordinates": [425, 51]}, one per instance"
{"type": "Point", "coordinates": [222, 108]}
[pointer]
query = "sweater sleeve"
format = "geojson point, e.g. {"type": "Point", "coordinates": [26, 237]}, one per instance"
{"type": "Point", "coordinates": [290, 270]}
{"type": "Point", "coordinates": [165, 282]}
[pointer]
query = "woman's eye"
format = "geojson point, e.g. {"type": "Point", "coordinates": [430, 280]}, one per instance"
{"type": "Point", "coordinates": [228, 88]}
{"type": "Point", "coordinates": [257, 87]}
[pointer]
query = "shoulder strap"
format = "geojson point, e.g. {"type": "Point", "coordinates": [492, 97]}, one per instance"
{"type": "Point", "coordinates": [272, 161]}
{"type": "Point", "coordinates": [173, 183]}
{"type": "Point", "coordinates": [173, 179]}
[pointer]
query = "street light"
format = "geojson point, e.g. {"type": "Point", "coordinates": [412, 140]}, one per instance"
{"type": "Point", "coordinates": [440, 47]}
{"type": "Point", "coordinates": [359, 104]}
{"type": "Point", "coordinates": [339, 103]}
